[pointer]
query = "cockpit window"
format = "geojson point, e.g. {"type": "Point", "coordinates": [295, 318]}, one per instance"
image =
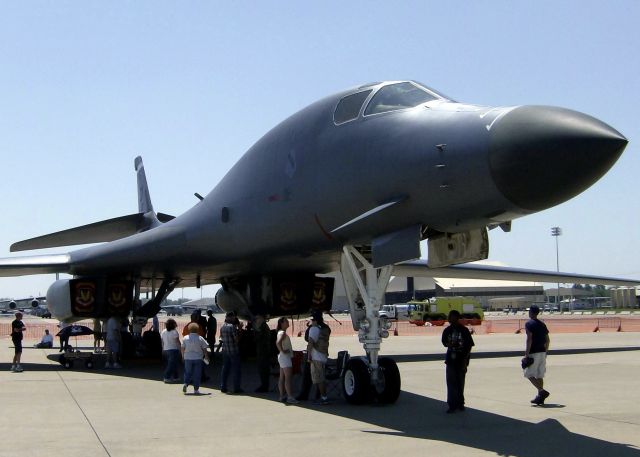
{"type": "Point", "coordinates": [397, 96]}
{"type": "Point", "coordinates": [349, 107]}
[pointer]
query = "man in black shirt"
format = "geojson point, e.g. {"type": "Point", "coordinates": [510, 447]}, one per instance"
{"type": "Point", "coordinates": [457, 339]}
{"type": "Point", "coordinates": [17, 328]}
{"type": "Point", "coordinates": [212, 329]}
{"type": "Point", "coordinates": [536, 349]}
{"type": "Point", "coordinates": [263, 351]}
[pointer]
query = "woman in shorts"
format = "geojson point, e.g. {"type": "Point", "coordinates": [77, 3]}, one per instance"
{"type": "Point", "coordinates": [285, 354]}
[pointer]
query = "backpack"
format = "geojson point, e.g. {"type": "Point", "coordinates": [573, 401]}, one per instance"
{"type": "Point", "coordinates": [322, 345]}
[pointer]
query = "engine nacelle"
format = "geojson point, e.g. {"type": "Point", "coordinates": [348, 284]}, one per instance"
{"type": "Point", "coordinates": [35, 303]}
{"type": "Point", "coordinates": [232, 301]}
{"type": "Point", "coordinates": [59, 300]}
{"type": "Point", "coordinates": [89, 297]}
{"type": "Point", "coordinates": [12, 305]}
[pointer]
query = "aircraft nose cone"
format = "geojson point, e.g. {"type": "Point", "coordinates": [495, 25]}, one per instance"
{"type": "Point", "coordinates": [541, 156]}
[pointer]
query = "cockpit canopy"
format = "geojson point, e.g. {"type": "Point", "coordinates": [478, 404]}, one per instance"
{"type": "Point", "coordinates": [387, 97]}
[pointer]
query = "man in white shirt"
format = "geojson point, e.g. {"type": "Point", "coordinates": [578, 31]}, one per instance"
{"type": "Point", "coordinates": [318, 353]}
{"type": "Point", "coordinates": [46, 341]}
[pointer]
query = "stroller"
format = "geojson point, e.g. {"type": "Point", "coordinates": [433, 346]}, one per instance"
{"type": "Point", "coordinates": [71, 355]}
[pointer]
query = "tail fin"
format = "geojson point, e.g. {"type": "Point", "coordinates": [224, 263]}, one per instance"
{"type": "Point", "coordinates": [108, 230]}
{"type": "Point", "coordinates": [144, 199]}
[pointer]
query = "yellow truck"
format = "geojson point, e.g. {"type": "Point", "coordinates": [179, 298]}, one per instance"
{"type": "Point", "coordinates": [435, 310]}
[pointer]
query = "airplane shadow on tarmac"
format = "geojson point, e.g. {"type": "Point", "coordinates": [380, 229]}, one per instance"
{"type": "Point", "coordinates": [503, 354]}
{"type": "Point", "coordinates": [417, 416]}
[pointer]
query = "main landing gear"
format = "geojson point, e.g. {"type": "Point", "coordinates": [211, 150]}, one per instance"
{"type": "Point", "coordinates": [369, 378]}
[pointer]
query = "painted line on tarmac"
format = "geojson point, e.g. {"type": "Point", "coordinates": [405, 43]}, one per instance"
{"type": "Point", "coordinates": [84, 414]}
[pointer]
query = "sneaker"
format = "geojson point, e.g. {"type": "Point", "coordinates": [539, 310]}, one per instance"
{"type": "Point", "coordinates": [13, 368]}
{"type": "Point", "coordinates": [196, 392]}
{"type": "Point", "coordinates": [117, 365]}
{"type": "Point", "coordinates": [324, 401]}
{"type": "Point", "coordinates": [538, 400]}
{"type": "Point", "coordinates": [166, 381]}
{"type": "Point", "coordinates": [184, 389]}
{"type": "Point", "coordinates": [174, 380]}
{"type": "Point", "coordinates": [291, 401]}
{"type": "Point", "coordinates": [544, 395]}
{"type": "Point", "coordinates": [19, 369]}
{"type": "Point", "coordinates": [107, 365]}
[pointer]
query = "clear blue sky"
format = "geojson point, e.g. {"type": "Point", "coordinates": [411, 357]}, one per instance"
{"type": "Point", "coordinates": [87, 86]}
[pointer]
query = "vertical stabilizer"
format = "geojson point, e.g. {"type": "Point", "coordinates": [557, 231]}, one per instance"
{"type": "Point", "coordinates": [144, 199]}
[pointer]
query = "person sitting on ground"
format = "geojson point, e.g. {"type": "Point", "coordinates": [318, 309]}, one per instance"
{"type": "Point", "coordinates": [46, 341]}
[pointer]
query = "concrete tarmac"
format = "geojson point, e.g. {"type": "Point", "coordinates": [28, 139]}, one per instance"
{"type": "Point", "coordinates": [592, 411]}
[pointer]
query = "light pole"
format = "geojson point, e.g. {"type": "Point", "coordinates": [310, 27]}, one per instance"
{"type": "Point", "coordinates": [556, 232]}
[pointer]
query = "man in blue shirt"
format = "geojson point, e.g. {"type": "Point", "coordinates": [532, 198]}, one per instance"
{"type": "Point", "coordinates": [536, 348]}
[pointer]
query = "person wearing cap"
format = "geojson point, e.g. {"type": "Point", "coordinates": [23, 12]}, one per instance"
{"type": "Point", "coordinates": [537, 345]}
{"type": "Point", "coordinates": [230, 353]}
{"type": "Point", "coordinates": [458, 341]}
{"type": "Point", "coordinates": [318, 353]}
{"type": "Point", "coordinates": [17, 330]}
{"type": "Point", "coordinates": [306, 369]}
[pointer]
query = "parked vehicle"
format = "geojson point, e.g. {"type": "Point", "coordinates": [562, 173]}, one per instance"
{"type": "Point", "coordinates": [435, 310]}
{"type": "Point", "coordinates": [396, 312]}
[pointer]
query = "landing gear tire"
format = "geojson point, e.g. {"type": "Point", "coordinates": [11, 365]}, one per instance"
{"type": "Point", "coordinates": [389, 389]}
{"type": "Point", "coordinates": [356, 383]}
{"type": "Point", "coordinates": [68, 364]}
{"type": "Point", "coordinates": [89, 364]}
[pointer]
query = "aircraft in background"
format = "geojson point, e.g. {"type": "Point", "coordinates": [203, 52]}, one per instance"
{"type": "Point", "coordinates": [187, 307]}
{"type": "Point", "coordinates": [36, 306]}
{"type": "Point", "coordinates": [172, 310]}
{"type": "Point", "coordinates": [352, 183]}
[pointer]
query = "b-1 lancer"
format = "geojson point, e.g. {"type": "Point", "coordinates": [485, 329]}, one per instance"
{"type": "Point", "coordinates": [352, 183]}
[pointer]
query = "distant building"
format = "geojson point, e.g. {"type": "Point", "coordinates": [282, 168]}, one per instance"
{"type": "Point", "coordinates": [493, 295]}
{"type": "Point", "coordinates": [625, 297]}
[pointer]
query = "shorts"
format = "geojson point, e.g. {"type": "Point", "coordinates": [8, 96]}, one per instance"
{"type": "Point", "coordinates": [317, 372]}
{"type": "Point", "coordinates": [113, 346]}
{"type": "Point", "coordinates": [17, 344]}
{"type": "Point", "coordinates": [285, 360]}
{"type": "Point", "coordinates": [539, 366]}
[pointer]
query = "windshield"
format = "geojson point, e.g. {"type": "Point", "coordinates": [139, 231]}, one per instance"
{"type": "Point", "coordinates": [398, 96]}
